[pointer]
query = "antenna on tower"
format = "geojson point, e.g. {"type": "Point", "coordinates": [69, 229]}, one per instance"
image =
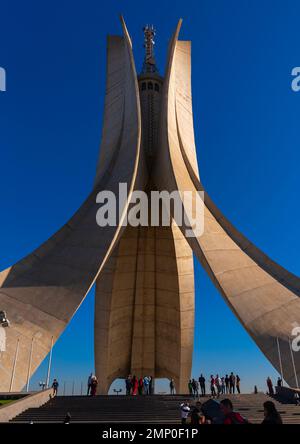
{"type": "Point", "coordinates": [149, 65]}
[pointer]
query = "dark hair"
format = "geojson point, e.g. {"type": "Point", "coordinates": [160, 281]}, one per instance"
{"type": "Point", "coordinates": [227, 403]}
{"type": "Point", "coordinates": [272, 412]}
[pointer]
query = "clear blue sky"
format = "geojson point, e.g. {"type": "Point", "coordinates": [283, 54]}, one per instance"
{"type": "Point", "coordinates": [247, 131]}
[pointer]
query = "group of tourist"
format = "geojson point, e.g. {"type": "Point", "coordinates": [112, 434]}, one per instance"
{"type": "Point", "coordinates": [218, 385]}
{"type": "Point", "coordinates": [139, 386]}
{"type": "Point", "coordinates": [195, 415]}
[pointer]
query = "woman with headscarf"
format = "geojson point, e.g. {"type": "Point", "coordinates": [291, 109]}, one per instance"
{"type": "Point", "coordinates": [135, 385]}
{"type": "Point", "coordinates": [94, 383]}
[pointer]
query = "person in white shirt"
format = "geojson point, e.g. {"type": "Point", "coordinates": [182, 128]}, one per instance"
{"type": "Point", "coordinates": [184, 411]}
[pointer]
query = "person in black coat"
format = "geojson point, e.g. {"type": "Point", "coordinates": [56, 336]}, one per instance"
{"type": "Point", "coordinates": [271, 414]}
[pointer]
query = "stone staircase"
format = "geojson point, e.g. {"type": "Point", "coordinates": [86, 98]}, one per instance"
{"type": "Point", "coordinates": [156, 409]}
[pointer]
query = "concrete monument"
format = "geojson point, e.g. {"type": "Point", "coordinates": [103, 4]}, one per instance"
{"type": "Point", "coordinates": [144, 309]}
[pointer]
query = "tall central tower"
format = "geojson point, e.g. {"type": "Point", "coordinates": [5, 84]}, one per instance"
{"type": "Point", "coordinates": [146, 325]}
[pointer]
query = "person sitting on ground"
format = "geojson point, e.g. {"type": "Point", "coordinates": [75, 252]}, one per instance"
{"type": "Point", "coordinates": [184, 411]}
{"type": "Point", "coordinates": [271, 414]}
{"type": "Point", "coordinates": [55, 385]}
{"type": "Point", "coordinates": [231, 417]}
{"type": "Point", "coordinates": [67, 419]}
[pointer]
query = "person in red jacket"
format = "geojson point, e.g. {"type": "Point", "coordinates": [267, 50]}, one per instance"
{"type": "Point", "coordinates": [231, 417]}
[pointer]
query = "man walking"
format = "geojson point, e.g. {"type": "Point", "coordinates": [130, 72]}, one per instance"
{"type": "Point", "coordinates": [55, 385]}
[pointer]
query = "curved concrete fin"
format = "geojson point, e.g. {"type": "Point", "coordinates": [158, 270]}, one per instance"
{"type": "Point", "coordinates": [42, 292]}
{"type": "Point", "coordinates": [263, 295]}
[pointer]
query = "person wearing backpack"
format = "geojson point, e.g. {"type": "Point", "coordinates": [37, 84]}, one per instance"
{"type": "Point", "coordinates": [231, 417]}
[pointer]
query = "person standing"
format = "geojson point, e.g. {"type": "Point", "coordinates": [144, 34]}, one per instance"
{"type": "Point", "coordinates": [184, 411]}
{"type": "Point", "coordinates": [270, 386]}
{"type": "Point", "coordinates": [128, 385]}
{"type": "Point", "coordinates": [238, 382]}
{"type": "Point", "coordinates": [202, 384]}
{"type": "Point", "coordinates": [135, 385]}
{"type": "Point", "coordinates": [227, 384]}
{"type": "Point", "coordinates": [94, 385]}
{"type": "Point", "coordinates": [271, 414]}
{"type": "Point", "coordinates": [279, 382]}
{"type": "Point", "coordinates": [212, 386]}
{"type": "Point", "coordinates": [151, 385]}
{"type": "Point", "coordinates": [218, 384]}
{"type": "Point", "coordinates": [55, 386]}
{"type": "Point", "coordinates": [194, 387]}
{"type": "Point", "coordinates": [197, 388]}
{"type": "Point", "coordinates": [141, 386]}
{"type": "Point", "coordinates": [172, 387]}
{"type": "Point", "coordinates": [190, 387]}
{"type": "Point", "coordinates": [146, 385]}
{"type": "Point", "coordinates": [223, 385]}
{"type": "Point", "coordinates": [89, 383]}
{"type": "Point", "coordinates": [231, 383]}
